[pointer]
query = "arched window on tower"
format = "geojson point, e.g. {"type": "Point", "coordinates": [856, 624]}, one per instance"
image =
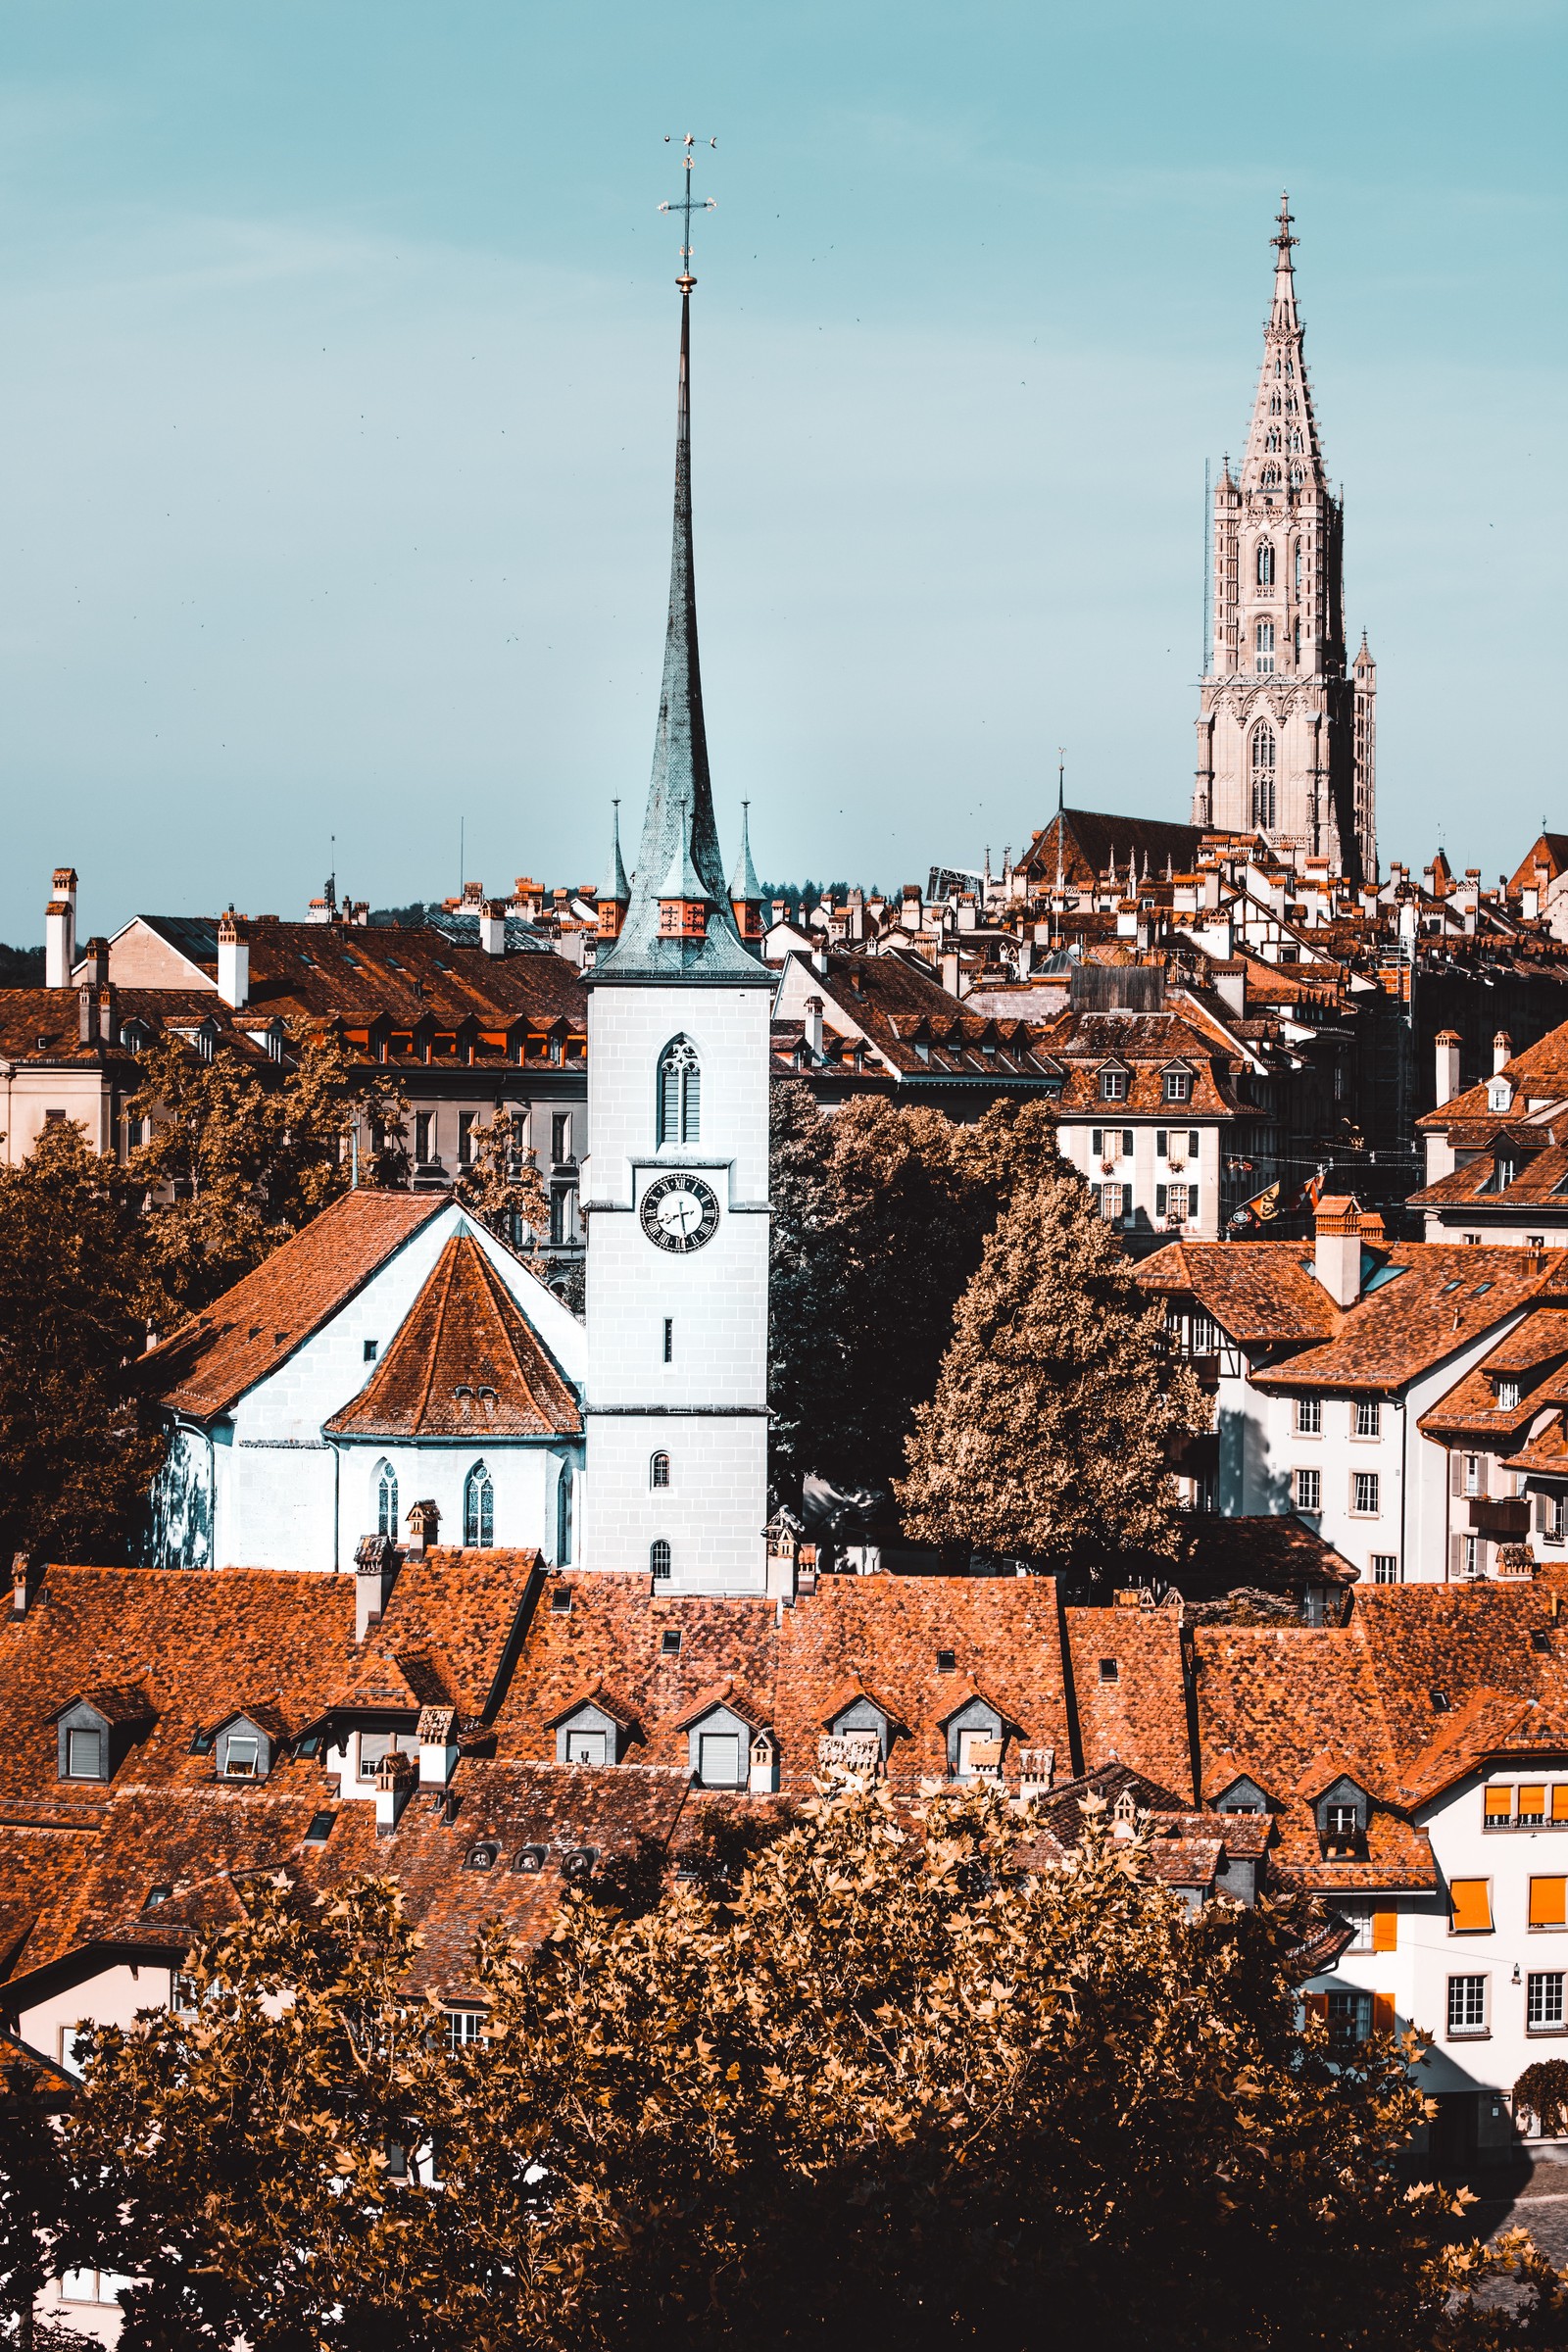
{"type": "Point", "coordinates": [385, 1493]}
{"type": "Point", "coordinates": [680, 1086]}
{"type": "Point", "coordinates": [1298, 567]}
{"type": "Point", "coordinates": [1263, 659]}
{"type": "Point", "coordinates": [1263, 758]}
{"type": "Point", "coordinates": [1295, 477]}
{"type": "Point", "coordinates": [1296, 438]}
{"type": "Point", "coordinates": [564, 1503]}
{"type": "Point", "coordinates": [659, 1470]}
{"type": "Point", "coordinates": [1273, 439]}
{"type": "Point", "coordinates": [1271, 477]}
{"type": "Point", "coordinates": [1265, 562]}
{"type": "Point", "coordinates": [659, 1560]}
{"type": "Point", "coordinates": [478, 1510]}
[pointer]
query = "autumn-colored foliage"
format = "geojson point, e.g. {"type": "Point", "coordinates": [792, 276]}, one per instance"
{"type": "Point", "coordinates": [79, 1444]}
{"type": "Point", "coordinates": [1058, 1400]}
{"type": "Point", "coordinates": [888, 2084]}
{"type": "Point", "coordinates": [501, 1185]}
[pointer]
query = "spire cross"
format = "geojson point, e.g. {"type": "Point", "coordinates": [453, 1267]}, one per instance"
{"type": "Point", "coordinates": [1285, 240]}
{"type": "Point", "coordinates": [686, 205]}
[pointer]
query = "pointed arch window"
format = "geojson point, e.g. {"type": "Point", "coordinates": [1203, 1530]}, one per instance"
{"type": "Point", "coordinates": [1271, 477]}
{"type": "Point", "coordinates": [1296, 438]}
{"type": "Point", "coordinates": [1264, 753]}
{"type": "Point", "coordinates": [1263, 652]}
{"type": "Point", "coordinates": [478, 1510]}
{"type": "Point", "coordinates": [1297, 564]}
{"type": "Point", "coordinates": [1265, 563]}
{"type": "Point", "coordinates": [1273, 440]}
{"type": "Point", "coordinates": [1295, 477]}
{"type": "Point", "coordinates": [563, 1504]}
{"type": "Point", "coordinates": [384, 1494]}
{"type": "Point", "coordinates": [680, 1093]}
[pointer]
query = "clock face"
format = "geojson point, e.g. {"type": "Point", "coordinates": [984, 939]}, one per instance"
{"type": "Point", "coordinates": [679, 1212]}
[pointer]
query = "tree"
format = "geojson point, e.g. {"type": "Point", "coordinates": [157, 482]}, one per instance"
{"type": "Point", "coordinates": [79, 1444]}
{"type": "Point", "coordinates": [501, 1185]}
{"type": "Point", "coordinates": [33, 2194]}
{"type": "Point", "coordinates": [1058, 1400]}
{"type": "Point", "coordinates": [876, 1228]}
{"type": "Point", "coordinates": [244, 1158]}
{"type": "Point", "coordinates": [895, 2083]}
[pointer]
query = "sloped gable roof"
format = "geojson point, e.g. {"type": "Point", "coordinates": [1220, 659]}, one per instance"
{"type": "Point", "coordinates": [465, 1363]}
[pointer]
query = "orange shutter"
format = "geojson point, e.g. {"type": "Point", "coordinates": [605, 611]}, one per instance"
{"type": "Point", "coordinates": [1471, 1901]}
{"type": "Point", "coordinates": [1548, 1902]}
{"type": "Point", "coordinates": [1500, 1805]}
{"type": "Point", "coordinates": [1316, 2004]}
{"type": "Point", "coordinates": [1384, 1932]}
{"type": "Point", "coordinates": [1383, 2009]}
{"type": "Point", "coordinates": [1533, 1804]}
{"type": "Point", "coordinates": [1559, 1801]}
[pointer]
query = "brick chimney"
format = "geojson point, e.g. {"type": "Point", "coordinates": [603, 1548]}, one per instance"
{"type": "Point", "coordinates": [438, 1746]}
{"type": "Point", "coordinates": [813, 1026]}
{"type": "Point", "coordinates": [1339, 1248]}
{"type": "Point", "coordinates": [1447, 1048]}
{"type": "Point", "coordinates": [493, 926]}
{"type": "Point", "coordinates": [22, 1581]}
{"type": "Point", "coordinates": [375, 1572]}
{"type": "Point", "coordinates": [59, 929]}
{"type": "Point", "coordinates": [1501, 1052]}
{"type": "Point", "coordinates": [395, 1776]}
{"type": "Point", "coordinates": [233, 960]}
{"type": "Point", "coordinates": [423, 1523]}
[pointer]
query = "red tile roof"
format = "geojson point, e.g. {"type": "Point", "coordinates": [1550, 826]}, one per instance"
{"type": "Point", "coordinates": [253, 1328]}
{"type": "Point", "coordinates": [465, 1363]}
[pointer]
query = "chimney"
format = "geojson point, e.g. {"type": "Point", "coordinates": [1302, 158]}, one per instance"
{"type": "Point", "coordinates": [813, 1026]}
{"type": "Point", "coordinates": [910, 912]}
{"type": "Point", "coordinates": [87, 1014]}
{"type": "Point", "coordinates": [781, 910]}
{"type": "Point", "coordinates": [233, 960]}
{"type": "Point", "coordinates": [1231, 985]}
{"type": "Point", "coordinates": [59, 929]}
{"type": "Point", "coordinates": [1339, 1248]}
{"type": "Point", "coordinates": [1501, 1052]}
{"type": "Point", "coordinates": [493, 926]}
{"type": "Point", "coordinates": [949, 971]}
{"type": "Point", "coordinates": [375, 1570]}
{"type": "Point", "coordinates": [22, 1581]}
{"type": "Point", "coordinates": [423, 1523]}
{"type": "Point", "coordinates": [394, 1786]}
{"type": "Point", "coordinates": [438, 1746]}
{"type": "Point", "coordinates": [1447, 1044]}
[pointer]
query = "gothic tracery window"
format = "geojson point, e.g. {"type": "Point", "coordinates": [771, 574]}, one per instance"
{"type": "Point", "coordinates": [1273, 439]}
{"type": "Point", "coordinates": [680, 1081]}
{"type": "Point", "coordinates": [1265, 563]}
{"type": "Point", "coordinates": [386, 1500]}
{"type": "Point", "coordinates": [1271, 477]}
{"type": "Point", "coordinates": [1264, 661]}
{"type": "Point", "coordinates": [478, 1510]}
{"type": "Point", "coordinates": [1263, 760]}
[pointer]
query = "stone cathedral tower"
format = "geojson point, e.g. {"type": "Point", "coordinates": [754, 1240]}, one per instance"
{"type": "Point", "coordinates": [676, 1192]}
{"type": "Point", "coordinates": [1286, 735]}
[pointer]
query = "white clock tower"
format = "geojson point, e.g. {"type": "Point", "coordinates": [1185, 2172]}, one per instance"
{"type": "Point", "coordinates": [675, 1192]}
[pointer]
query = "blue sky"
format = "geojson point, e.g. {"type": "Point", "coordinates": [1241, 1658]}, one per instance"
{"type": "Point", "coordinates": [336, 399]}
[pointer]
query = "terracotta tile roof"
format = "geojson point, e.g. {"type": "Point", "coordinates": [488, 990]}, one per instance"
{"type": "Point", "coordinates": [1137, 1715]}
{"type": "Point", "coordinates": [1433, 1298]}
{"type": "Point", "coordinates": [915, 1028]}
{"type": "Point", "coordinates": [465, 1362]}
{"type": "Point", "coordinates": [256, 1326]}
{"type": "Point", "coordinates": [1538, 1073]}
{"type": "Point", "coordinates": [1146, 1045]}
{"type": "Point", "coordinates": [1541, 1175]}
{"type": "Point", "coordinates": [1261, 1294]}
{"type": "Point", "coordinates": [1530, 1353]}
{"type": "Point", "coordinates": [451, 1624]}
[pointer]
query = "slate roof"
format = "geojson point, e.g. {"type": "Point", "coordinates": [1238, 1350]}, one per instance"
{"type": "Point", "coordinates": [465, 1362]}
{"type": "Point", "coordinates": [210, 1364]}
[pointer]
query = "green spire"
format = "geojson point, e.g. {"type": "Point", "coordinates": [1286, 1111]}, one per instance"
{"type": "Point", "coordinates": [616, 887]}
{"type": "Point", "coordinates": [744, 887]}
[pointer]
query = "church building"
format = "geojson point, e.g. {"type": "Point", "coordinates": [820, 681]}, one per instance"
{"type": "Point", "coordinates": [1286, 734]}
{"type": "Point", "coordinates": [675, 1192]}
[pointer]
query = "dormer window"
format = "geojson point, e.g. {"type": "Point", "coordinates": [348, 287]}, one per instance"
{"type": "Point", "coordinates": [84, 1754]}
{"type": "Point", "coordinates": [240, 1756]}
{"type": "Point", "coordinates": [93, 1734]}
{"type": "Point", "coordinates": [1178, 1086]}
{"type": "Point", "coordinates": [587, 1734]}
{"type": "Point", "coordinates": [1507, 1395]}
{"type": "Point", "coordinates": [1113, 1085]}
{"type": "Point", "coordinates": [1341, 1816]}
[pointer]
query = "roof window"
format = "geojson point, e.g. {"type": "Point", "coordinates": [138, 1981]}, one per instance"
{"type": "Point", "coordinates": [481, 1858]}
{"type": "Point", "coordinates": [1441, 1702]}
{"type": "Point", "coordinates": [1448, 1287]}
{"type": "Point", "coordinates": [1541, 1640]}
{"type": "Point", "coordinates": [579, 1863]}
{"type": "Point", "coordinates": [1109, 1670]}
{"type": "Point", "coordinates": [321, 1828]}
{"type": "Point", "coordinates": [947, 1661]}
{"type": "Point", "coordinates": [157, 1895]}
{"type": "Point", "coordinates": [670, 1643]}
{"type": "Point", "coordinates": [1480, 1289]}
{"type": "Point", "coordinates": [529, 1858]}
{"type": "Point", "coordinates": [561, 1600]}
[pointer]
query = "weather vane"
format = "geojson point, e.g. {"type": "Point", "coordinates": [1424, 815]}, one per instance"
{"type": "Point", "coordinates": [686, 205]}
{"type": "Point", "coordinates": [1285, 240]}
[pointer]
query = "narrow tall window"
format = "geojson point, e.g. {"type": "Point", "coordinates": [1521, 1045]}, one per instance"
{"type": "Point", "coordinates": [659, 1560]}
{"type": "Point", "coordinates": [659, 1470]}
{"type": "Point", "coordinates": [478, 1510]}
{"type": "Point", "coordinates": [1265, 563]}
{"type": "Point", "coordinates": [670, 1339]}
{"type": "Point", "coordinates": [1263, 758]}
{"type": "Point", "coordinates": [563, 1500]}
{"type": "Point", "coordinates": [1298, 565]}
{"type": "Point", "coordinates": [680, 1081]}
{"type": "Point", "coordinates": [1264, 661]}
{"type": "Point", "coordinates": [386, 1500]}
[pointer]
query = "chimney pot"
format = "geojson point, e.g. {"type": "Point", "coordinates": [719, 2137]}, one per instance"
{"type": "Point", "coordinates": [1501, 1052]}
{"type": "Point", "coordinates": [813, 1026]}
{"type": "Point", "coordinates": [22, 1581]}
{"type": "Point", "coordinates": [59, 929]}
{"type": "Point", "coordinates": [423, 1523]}
{"type": "Point", "coordinates": [233, 960]}
{"type": "Point", "coordinates": [375, 1571]}
{"type": "Point", "coordinates": [1447, 1053]}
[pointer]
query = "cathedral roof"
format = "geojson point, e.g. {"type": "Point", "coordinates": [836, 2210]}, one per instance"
{"type": "Point", "coordinates": [466, 1363]}
{"type": "Point", "coordinates": [679, 834]}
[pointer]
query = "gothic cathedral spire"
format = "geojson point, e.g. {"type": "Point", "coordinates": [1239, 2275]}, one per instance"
{"type": "Point", "coordinates": [1285, 747]}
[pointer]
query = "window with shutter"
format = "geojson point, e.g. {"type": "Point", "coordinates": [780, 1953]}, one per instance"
{"type": "Point", "coordinates": [1384, 1931]}
{"type": "Point", "coordinates": [1559, 1802]}
{"type": "Point", "coordinates": [1383, 2017]}
{"type": "Point", "coordinates": [1533, 1804]}
{"type": "Point", "coordinates": [1498, 1808]}
{"type": "Point", "coordinates": [1470, 1906]}
{"type": "Point", "coordinates": [1548, 1902]}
